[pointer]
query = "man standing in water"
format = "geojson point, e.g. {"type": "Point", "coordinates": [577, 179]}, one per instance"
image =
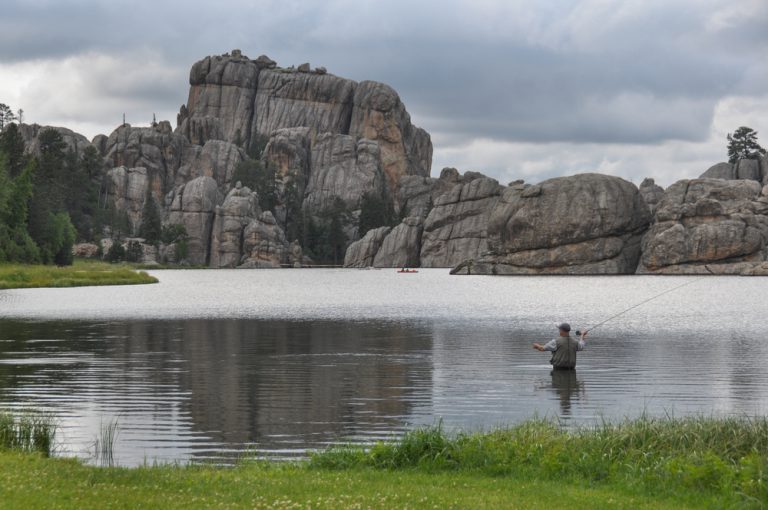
{"type": "Point", "coordinates": [563, 348]}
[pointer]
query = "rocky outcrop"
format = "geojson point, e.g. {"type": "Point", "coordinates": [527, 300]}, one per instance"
{"type": "Point", "coordinates": [379, 115]}
{"type": "Point", "coordinates": [416, 195]}
{"type": "Point", "coordinates": [221, 100]}
{"type": "Point", "coordinates": [752, 169]}
{"type": "Point", "coordinates": [240, 208]}
{"type": "Point", "coordinates": [193, 205]}
{"type": "Point", "coordinates": [264, 244]}
{"type": "Point", "coordinates": [127, 191]}
{"type": "Point", "coordinates": [235, 99]}
{"type": "Point", "coordinates": [652, 193]}
{"type": "Point", "coordinates": [456, 228]}
{"type": "Point", "coordinates": [361, 253]}
{"type": "Point", "coordinates": [705, 226]}
{"type": "Point", "coordinates": [171, 157]}
{"type": "Point", "coordinates": [289, 151]}
{"type": "Point", "coordinates": [402, 246]}
{"type": "Point", "coordinates": [584, 224]}
{"type": "Point", "coordinates": [30, 133]}
{"type": "Point", "coordinates": [344, 168]}
{"type": "Point", "coordinates": [285, 99]}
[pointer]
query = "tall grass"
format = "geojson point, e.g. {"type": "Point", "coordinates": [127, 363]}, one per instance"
{"type": "Point", "coordinates": [30, 431]}
{"type": "Point", "coordinates": [82, 273]}
{"type": "Point", "coordinates": [722, 456]}
{"type": "Point", "coordinates": [104, 446]}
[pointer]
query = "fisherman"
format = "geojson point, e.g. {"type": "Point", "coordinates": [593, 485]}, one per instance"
{"type": "Point", "coordinates": [563, 348]}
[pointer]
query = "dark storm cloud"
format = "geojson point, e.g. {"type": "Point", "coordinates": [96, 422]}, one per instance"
{"type": "Point", "coordinates": [570, 71]}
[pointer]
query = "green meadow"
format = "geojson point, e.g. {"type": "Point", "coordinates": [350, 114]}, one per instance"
{"type": "Point", "coordinates": [80, 274]}
{"type": "Point", "coordinates": [642, 463]}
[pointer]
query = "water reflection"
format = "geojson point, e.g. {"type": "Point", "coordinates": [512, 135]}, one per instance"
{"type": "Point", "coordinates": [566, 386]}
{"type": "Point", "coordinates": [202, 389]}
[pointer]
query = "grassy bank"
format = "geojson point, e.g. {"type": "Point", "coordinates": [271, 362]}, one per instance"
{"type": "Point", "coordinates": [81, 273]}
{"type": "Point", "coordinates": [691, 463]}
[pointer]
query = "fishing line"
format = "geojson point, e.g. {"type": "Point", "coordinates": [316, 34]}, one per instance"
{"type": "Point", "coordinates": [642, 303]}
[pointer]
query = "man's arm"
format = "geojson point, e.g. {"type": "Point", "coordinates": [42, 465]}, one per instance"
{"type": "Point", "coordinates": [549, 346]}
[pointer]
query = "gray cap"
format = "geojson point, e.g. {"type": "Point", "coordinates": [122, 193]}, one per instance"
{"type": "Point", "coordinates": [565, 327]}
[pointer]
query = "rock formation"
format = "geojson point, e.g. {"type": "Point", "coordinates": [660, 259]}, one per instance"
{"type": "Point", "coordinates": [584, 224]}
{"type": "Point", "coordinates": [342, 168]}
{"type": "Point", "coordinates": [705, 226]}
{"type": "Point", "coordinates": [240, 208]}
{"type": "Point", "coordinates": [457, 225]}
{"type": "Point", "coordinates": [752, 169]}
{"type": "Point", "coordinates": [264, 244]}
{"type": "Point", "coordinates": [30, 133]}
{"type": "Point", "coordinates": [235, 99]}
{"type": "Point", "coordinates": [193, 205]}
{"type": "Point", "coordinates": [402, 246]}
{"type": "Point", "coordinates": [361, 253]}
{"type": "Point", "coordinates": [652, 193]}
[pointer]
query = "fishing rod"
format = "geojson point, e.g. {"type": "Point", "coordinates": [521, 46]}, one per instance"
{"type": "Point", "coordinates": [638, 304]}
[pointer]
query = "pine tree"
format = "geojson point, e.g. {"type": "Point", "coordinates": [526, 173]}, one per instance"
{"type": "Point", "coordinates": [743, 145]}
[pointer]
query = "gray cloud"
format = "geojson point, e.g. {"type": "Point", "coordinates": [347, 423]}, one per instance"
{"type": "Point", "coordinates": [577, 71]}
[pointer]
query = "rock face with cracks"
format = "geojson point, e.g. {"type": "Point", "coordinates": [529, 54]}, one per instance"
{"type": "Point", "coordinates": [584, 224]}
{"type": "Point", "coordinates": [456, 227]}
{"type": "Point", "coordinates": [708, 226]}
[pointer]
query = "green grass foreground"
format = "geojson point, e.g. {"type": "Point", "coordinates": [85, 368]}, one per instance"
{"type": "Point", "coordinates": [80, 274]}
{"type": "Point", "coordinates": [645, 463]}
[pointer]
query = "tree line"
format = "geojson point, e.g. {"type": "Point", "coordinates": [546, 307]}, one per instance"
{"type": "Point", "coordinates": [47, 201]}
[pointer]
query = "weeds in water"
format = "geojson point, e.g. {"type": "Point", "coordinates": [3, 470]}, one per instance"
{"type": "Point", "coordinates": [30, 431]}
{"type": "Point", "coordinates": [104, 446]}
{"type": "Point", "coordinates": [711, 455]}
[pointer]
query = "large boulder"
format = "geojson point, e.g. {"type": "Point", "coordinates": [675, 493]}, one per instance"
{"type": "Point", "coordinates": [240, 208]}
{"type": "Point", "coordinates": [193, 205]}
{"type": "Point", "coordinates": [752, 169]}
{"type": "Point", "coordinates": [264, 244]}
{"type": "Point", "coordinates": [362, 252]}
{"type": "Point", "coordinates": [402, 246]}
{"type": "Point", "coordinates": [584, 224]}
{"type": "Point", "coordinates": [289, 151]}
{"type": "Point", "coordinates": [456, 228]}
{"type": "Point", "coordinates": [708, 226]}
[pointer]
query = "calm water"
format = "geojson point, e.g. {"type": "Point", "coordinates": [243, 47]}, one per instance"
{"type": "Point", "coordinates": [208, 364]}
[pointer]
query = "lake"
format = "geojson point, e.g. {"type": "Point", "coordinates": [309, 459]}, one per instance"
{"type": "Point", "coordinates": [208, 365]}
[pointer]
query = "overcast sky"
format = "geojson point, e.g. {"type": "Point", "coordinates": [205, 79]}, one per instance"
{"type": "Point", "coordinates": [514, 89]}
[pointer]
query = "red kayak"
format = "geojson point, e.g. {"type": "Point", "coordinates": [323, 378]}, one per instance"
{"type": "Point", "coordinates": [407, 271]}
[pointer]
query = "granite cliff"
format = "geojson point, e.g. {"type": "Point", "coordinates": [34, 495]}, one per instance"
{"type": "Point", "coordinates": [332, 143]}
{"type": "Point", "coordinates": [329, 139]}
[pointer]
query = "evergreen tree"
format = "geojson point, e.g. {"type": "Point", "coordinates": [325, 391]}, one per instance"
{"type": "Point", "coordinates": [743, 145]}
{"type": "Point", "coordinates": [6, 116]}
{"type": "Point", "coordinates": [375, 211]}
{"type": "Point", "coordinates": [16, 245]}
{"type": "Point", "coordinates": [151, 225]}
{"type": "Point", "coordinates": [12, 144]}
